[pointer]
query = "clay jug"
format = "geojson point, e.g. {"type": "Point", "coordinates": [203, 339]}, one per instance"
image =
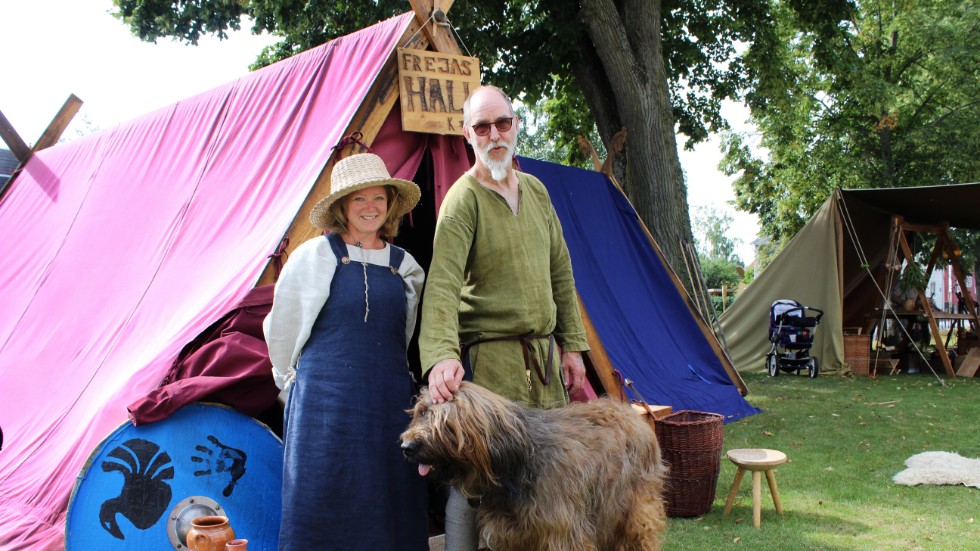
{"type": "Point", "coordinates": [237, 545]}
{"type": "Point", "coordinates": [209, 533]}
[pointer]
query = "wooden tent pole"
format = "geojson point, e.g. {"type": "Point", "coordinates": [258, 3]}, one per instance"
{"type": "Point", "coordinates": [59, 123]}
{"type": "Point", "coordinates": [434, 12]}
{"type": "Point", "coordinates": [49, 137]}
{"type": "Point", "coordinates": [709, 306]}
{"type": "Point", "coordinates": [690, 278]}
{"type": "Point", "coordinates": [936, 251]}
{"type": "Point", "coordinates": [885, 280]}
{"type": "Point", "coordinates": [952, 327]}
{"type": "Point", "coordinates": [17, 146]}
{"type": "Point", "coordinates": [933, 326]}
{"type": "Point", "coordinates": [597, 354]}
{"type": "Point", "coordinates": [971, 306]}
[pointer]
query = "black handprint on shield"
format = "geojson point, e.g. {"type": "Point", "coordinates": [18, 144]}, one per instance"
{"type": "Point", "coordinates": [228, 460]}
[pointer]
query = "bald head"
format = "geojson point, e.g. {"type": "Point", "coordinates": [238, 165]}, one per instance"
{"type": "Point", "coordinates": [483, 93]}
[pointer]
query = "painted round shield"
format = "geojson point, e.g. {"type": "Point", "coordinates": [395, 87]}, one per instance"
{"type": "Point", "coordinates": [143, 485]}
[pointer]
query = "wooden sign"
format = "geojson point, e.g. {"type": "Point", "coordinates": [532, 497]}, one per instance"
{"type": "Point", "coordinates": [432, 87]}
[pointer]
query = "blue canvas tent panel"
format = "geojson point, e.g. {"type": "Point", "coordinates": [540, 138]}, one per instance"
{"type": "Point", "coordinates": [648, 330]}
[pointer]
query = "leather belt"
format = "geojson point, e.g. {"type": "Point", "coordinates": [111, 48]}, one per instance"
{"type": "Point", "coordinates": [530, 358]}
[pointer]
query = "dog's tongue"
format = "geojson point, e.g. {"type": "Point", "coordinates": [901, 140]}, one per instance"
{"type": "Point", "coordinates": [424, 469]}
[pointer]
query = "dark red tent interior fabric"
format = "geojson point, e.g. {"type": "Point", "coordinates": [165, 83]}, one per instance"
{"type": "Point", "coordinates": [228, 363]}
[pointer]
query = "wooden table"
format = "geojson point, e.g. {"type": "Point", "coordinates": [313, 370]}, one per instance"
{"type": "Point", "coordinates": [928, 316]}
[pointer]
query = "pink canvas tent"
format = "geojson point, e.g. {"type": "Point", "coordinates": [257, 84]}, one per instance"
{"type": "Point", "coordinates": [122, 246]}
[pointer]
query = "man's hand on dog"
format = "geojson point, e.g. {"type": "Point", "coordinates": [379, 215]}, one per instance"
{"type": "Point", "coordinates": [446, 375]}
{"type": "Point", "coordinates": [444, 380]}
{"type": "Point", "coordinates": [573, 368]}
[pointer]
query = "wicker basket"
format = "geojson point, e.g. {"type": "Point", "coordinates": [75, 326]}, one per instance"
{"type": "Point", "coordinates": [857, 353]}
{"type": "Point", "coordinates": [691, 443]}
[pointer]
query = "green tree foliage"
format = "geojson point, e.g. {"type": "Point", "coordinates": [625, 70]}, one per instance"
{"type": "Point", "coordinates": [764, 255]}
{"type": "Point", "coordinates": [652, 66]}
{"type": "Point", "coordinates": [719, 273]}
{"type": "Point", "coordinates": [969, 243]}
{"type": "Point", "coordinates": [858, 95]}
{"type": "Point", "coordinates": [539, 124]}
{"type": "Point", "coordinates": [720, 265]}
{"type": "Point", "coordinates": [712, 229]}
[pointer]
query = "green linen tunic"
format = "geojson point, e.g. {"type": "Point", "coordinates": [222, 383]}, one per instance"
{"type": "Point", "coordinates": [496, 274]}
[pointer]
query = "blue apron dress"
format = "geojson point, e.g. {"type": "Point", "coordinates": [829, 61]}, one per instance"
{"type": "Point", "coordinates": [346, 486]}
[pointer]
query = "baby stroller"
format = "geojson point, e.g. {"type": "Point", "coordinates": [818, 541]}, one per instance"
{"type": "Point", "coordinates": [791, 333]}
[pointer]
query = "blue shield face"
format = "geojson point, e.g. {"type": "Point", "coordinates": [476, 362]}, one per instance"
{"type": "Point", "coordinates": [142, 485]}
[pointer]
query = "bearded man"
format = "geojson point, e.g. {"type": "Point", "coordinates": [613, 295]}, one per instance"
{"type": "Point", "coordinates": [500, 293]}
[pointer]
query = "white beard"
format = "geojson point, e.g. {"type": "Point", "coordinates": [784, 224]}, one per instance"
{"type": "Point", "coordinates": [498, 173]}
{"type": "Point", "coordinates": [498, 169]}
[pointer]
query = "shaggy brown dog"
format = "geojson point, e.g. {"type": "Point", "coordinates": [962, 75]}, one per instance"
{"type": "Point", "coordinates": [583, 477]}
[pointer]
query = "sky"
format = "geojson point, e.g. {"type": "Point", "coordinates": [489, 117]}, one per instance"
{"type": "Point", "coordinates": [54, 48]}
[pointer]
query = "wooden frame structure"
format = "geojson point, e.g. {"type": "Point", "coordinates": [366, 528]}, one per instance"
{"type": "Point", "coordinates": [22, 152]}
{"type": "Point", "coordinates": [945, 247]}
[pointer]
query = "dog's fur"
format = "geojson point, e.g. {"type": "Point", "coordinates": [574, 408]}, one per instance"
{"type": "Point", "coordinates": [584, 477]}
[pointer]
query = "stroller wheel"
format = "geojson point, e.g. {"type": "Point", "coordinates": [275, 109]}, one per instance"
{"type": "Point", "coordinates": [814, 367]}
{"type": "Point", "coordinates": [772, 364]}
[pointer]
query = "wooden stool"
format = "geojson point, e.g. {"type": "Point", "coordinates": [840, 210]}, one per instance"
{"type": "Point", "coordinates": [755, 460]}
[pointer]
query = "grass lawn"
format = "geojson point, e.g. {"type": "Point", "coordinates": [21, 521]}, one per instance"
{"type": "Point", "coordinates": [845, 439]}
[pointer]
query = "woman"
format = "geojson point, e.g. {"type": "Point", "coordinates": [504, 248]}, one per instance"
{"type": "Point", "coordinates": [343, 313]}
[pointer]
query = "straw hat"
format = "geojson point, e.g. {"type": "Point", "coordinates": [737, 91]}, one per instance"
{"type": "Point", "coordinates": [361, 171]}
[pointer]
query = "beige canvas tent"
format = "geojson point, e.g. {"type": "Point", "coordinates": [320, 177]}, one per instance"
{"type": "Point", "coordinates": [839, 262]}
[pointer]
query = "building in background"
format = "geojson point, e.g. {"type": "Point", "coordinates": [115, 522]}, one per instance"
{"type": "Point", "coordinates": [8, 164]}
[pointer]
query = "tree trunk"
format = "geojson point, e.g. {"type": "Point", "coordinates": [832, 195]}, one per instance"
{"type": "Point", "coordinates": [885, 152]}
{"type": "Point", "coordinates": [625, 84]}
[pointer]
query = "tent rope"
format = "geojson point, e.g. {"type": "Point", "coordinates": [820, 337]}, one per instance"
{"type": "Point", "coordinates": [353, 138]}
{"type": "Point", "coordinates": [441, 18]}
{"type": "Point", "coordinates": [459, 38]}
{"type": "Point", "coordinates": [710, 315]}
{"type": "Point", "coordinates": [886, 302]}
{"type": "Point", "coordinates": [890, 262]}
{"type": "Point", "coordinates": [279, 256]}
{"type": "Point", "coordinates": [863, 259]}
{"type": "Point", "coordinates": [422, 26]}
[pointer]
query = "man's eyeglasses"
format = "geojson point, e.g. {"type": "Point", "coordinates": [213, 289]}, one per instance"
{"type": "Point", "coordinates": [483, 128]}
